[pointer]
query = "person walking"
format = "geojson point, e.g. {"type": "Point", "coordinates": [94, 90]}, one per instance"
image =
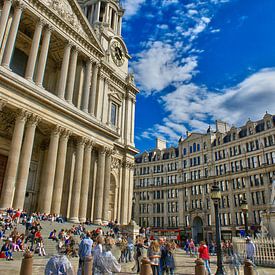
{"type": "Point", "coordinates": [85, 250]}
{"type": "Point", "coordinates": [154, 255]}
{"type": "Point", "coordinates": [250, 249]}
{"type": "Point", "coordinates": [204, 255]}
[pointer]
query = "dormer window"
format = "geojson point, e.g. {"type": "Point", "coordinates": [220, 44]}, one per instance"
{"type": "Point", "coordinates": [268, 124]}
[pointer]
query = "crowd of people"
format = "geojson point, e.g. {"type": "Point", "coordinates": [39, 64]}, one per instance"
{"type": "Point", "coordinates": [99, 243]}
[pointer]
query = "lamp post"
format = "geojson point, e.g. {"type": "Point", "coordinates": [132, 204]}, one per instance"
{"type": "Point", "coordinates": [133, 207]}
{"type": "Point", "coordinates": [216, 197]}
{"type": "Point", "coordinates": [244, 207]}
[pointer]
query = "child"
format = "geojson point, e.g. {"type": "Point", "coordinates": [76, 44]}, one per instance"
{"type": "Point", "coordinates": [7, 248]}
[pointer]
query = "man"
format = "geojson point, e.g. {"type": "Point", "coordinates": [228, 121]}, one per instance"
{"type": "Point", "coordinates": [250, 249]}
{"type": "Point", "coordinates": [85, 249]}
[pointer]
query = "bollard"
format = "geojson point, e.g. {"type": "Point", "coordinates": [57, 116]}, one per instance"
{"type": "Point", "coordinates": [26, 265]}
{"type": "Point", "coordinates": [199, 268]}
{"type": "Point", "coordinates": [145, 267]}
{"type": "Point", "coordinates": [88, 265]}
{"type": "Point", "coordinates": [248, 268]}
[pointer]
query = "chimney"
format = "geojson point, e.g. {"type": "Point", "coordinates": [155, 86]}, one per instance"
{"type": "Point", "coordinates": [160, 144]}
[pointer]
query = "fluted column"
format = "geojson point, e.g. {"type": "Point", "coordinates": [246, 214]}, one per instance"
{"type": "Point", "coordinates": [60, 172]}
{"type": "Point", "coordinates": [18, 9]}
{"type": "Point", "coordinates": [64, 71]}
{"type": "Point", "coordinates": [106, 192]}
{"type": "Point", "coordinates": [45, 196]}
{"type": "Point", "coordinates": [93, 89]}
{"type": "Point", "coordinates": [13, 160]}
{"type": "Point", "coordinates": [99, 187]}
{"type": "Point", "coordinates": [87, 86]}
{"type": "Point", "coordinates": [34, 50]}
{"type": "Point", "coordinates": [124, 194]}
{"type": "Point", "coordinates": [43, 57]}
{"type": "Point", "coordinates": [24, 164]}
{"type": "Point", "coordinates": [74, 210]}
{"type": "Point", "coordinates": [133, 121]}
{"type": "Point", "coordinates": [85, 183]}
{"type": "Point", "coordinates": [131, 191]}
{"type": "Point", "coordinates": [71, 76]}
{"type": "Point", "coordinates": [4, 18]}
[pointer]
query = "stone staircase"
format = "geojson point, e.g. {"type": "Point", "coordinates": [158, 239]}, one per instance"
{"type": "Point", "coordinates": [50, 245]}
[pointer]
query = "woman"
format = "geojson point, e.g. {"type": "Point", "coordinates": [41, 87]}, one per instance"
{"type": "Point", "coordinates": [204, 254]}
{"type": "Point", "coordinates": [106, 262]}
{"type": "Point", "coordinates": [97, 251]}
{"type": "Point", "coordinates": [169, 258]}
{"type": "Point", "coordinates": [154, 255]}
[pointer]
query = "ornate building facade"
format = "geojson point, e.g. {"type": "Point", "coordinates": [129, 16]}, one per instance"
{"type": "Point", "coordinates": [172, 185]}
{"type": "Point", "coordinates": [67, 108]}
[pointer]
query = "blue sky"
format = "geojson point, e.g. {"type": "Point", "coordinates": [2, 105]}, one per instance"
{"type": "Point", "coordinates": [198, 61]}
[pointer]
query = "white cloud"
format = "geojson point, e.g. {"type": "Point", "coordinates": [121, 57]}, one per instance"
{"type": "Point", "coordinates": [131, 7]}
{"type": "Point", "coordinates": [158, 67]}
{"type": "Point", "coordinates": [196, 106]}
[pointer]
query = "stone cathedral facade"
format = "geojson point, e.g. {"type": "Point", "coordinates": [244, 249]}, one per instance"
{"type": "Point", "coordinates": [67, 108]}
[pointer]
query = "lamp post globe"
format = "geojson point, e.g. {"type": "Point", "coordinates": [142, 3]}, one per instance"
{"type": "Point", "coordinates": [216, 197]}
{"type": "Point", "coordinates": [244, 207]}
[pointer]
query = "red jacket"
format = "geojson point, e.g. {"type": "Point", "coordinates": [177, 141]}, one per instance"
{"type": "Point", "coordinates": [204, 254]}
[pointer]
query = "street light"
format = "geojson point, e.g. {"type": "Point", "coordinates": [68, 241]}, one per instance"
{"type": "Point", "coordinates": [216, 197]}
{"type": "Point", "coordinates": [244, 207]}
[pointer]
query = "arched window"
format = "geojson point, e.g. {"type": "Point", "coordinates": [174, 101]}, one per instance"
{"type": "Point", "coordinates": [194, 147]}
{"type": "Point", "coordinates": [184, 151]}
{"type": "Point", "coordinates": [198, 147]}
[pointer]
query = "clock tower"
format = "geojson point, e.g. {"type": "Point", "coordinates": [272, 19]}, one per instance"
{"type": "Point", "coordinates": [105, 17]}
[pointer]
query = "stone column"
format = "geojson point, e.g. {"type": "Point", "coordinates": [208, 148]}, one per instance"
{"type": "Point", "coordinates": [24, 164]}
{"type": "Point", "coordinates": [127, 117]}
{"type": "Point", "coordinates": [87, 86]}
{"type": "Point", "coordinates": [60, 172]}
{"type": "Point", "coordinates": [64, 71]}
{"type": "Point", "coordinates": [12, 35]}
{"type": "Point", "coordinates": [106, 190]}
{"type": "Point", "coordinates": [71, 76]}
{"type": "Point", "coordinates": [85, 183]}
{"type": "Point", "coordinates": [93, 89]}
{"type": "Point", "coordinates": [34, 50]}
{"type": "Point", "coordinates": [133, 101]}
{"type": "Point", "coordinates": [4, 18]}
{"type": "Point", "coordinates": [131, 191]}
{"type": "Point", "coordinates": [74, 209]}
{"type": "Point", "coordinates": [13, 160]}
{"type": "Point", "coordinates": [99, 187]}
{"type": "Point", "coordinates": [43, 57]}
{"type": "Point", "coordinates": [46, 194]}
{"type": "Point", "coordinates": [124, 193]}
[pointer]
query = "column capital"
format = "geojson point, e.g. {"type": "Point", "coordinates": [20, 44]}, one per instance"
{"type": "Point", "coordinates": [56, 130]}
{"type": "Point", "coordinates": [33, 120]}
{"type": "Point", "coordinates": [48, 27]}
{"type": "Point", "coordinates": [69, 44]}
{"type": "Point", "coordinates": [19, 4]}
{"type": "Point", "coordinates": [90, 143]}
{"type": "Point", "coordinates": [75, 49]}
{"type": "Point", "coordinates": [65, 133]}
{"type": "Point", "coordinates": [3, 103]}
{"type": "Point", "coordinates": [22, 115]}
{"type": "Point", "coordinates": [41, 22]}
{"type": "Point", "coordinates": [81, 141]}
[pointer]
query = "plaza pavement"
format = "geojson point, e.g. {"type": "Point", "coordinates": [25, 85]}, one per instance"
{"type": "Point", "coordinates": [185, 265]}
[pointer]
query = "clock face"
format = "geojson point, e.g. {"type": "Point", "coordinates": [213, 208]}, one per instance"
{"type": "Point", "coordinates": [117, 53]}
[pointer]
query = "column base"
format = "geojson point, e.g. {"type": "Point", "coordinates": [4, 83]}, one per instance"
{"type": "Point", "coordinates": [74, 220]}
{"type": "Point", "coordinates": [105, 222]}
{"type": "Point", "coordinates": [82, 220]}
{"type": "Point", "coordinates": [97, 221]}
{"type": "Point", "coordinates": [6, 66]}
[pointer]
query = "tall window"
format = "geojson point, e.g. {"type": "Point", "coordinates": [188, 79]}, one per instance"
{"type": "Point", "coordinates": [113, 114]}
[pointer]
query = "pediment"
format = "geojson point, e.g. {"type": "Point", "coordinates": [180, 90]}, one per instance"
{"type": "Point", "coordinates": [72, 14]}
{"type": "Point", "coordinates": [193, 136]}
